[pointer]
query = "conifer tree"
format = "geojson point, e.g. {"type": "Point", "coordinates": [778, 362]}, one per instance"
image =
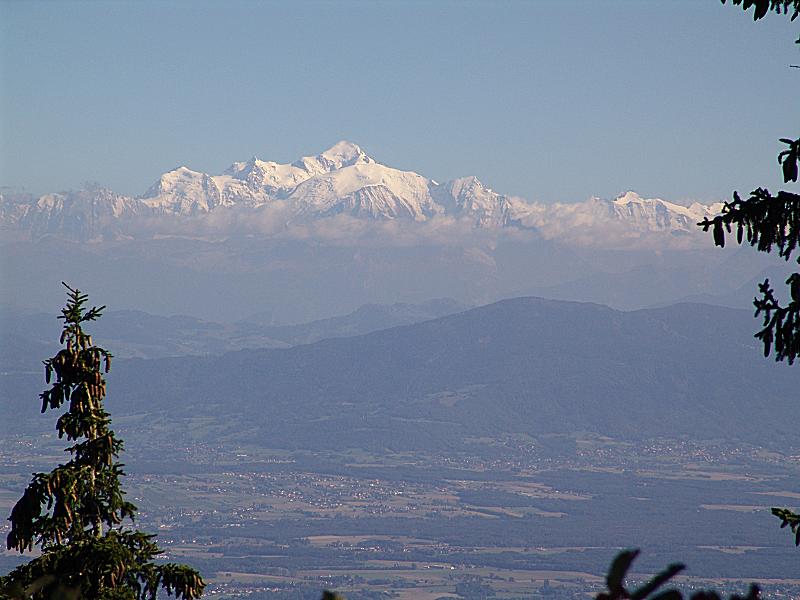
{"type": "Point", "coordinates": [77, 514]}
{"type": "Point", "coordinates": [770, 222]}
{"type": "Point", "coordinates": [762, 7]}
{"type": "Point", "coordinates": [766, 222]}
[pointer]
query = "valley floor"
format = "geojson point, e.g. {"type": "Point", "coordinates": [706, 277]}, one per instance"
{"type": "Point", "coordinates": [516, 518]}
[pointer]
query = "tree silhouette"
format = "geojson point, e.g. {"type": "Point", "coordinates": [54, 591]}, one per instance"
{"type": "Point", "coordinates": [762, 7]}
{"type": "Point", "coordinates": [770, 222]}
{"type": "Point", "coordinates": [615, 582]}
{"type": "Point", "coordinates": [766, 222]}
{"type": "Point", "coordinates": [76, 513]}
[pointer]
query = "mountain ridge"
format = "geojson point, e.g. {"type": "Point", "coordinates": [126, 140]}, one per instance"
{"type": "Point", "coordinates": [523, 365]}
{"type": "Point", "coordinates": [342, 180]}
{"type": "Point", "coordinates": [26, 338]}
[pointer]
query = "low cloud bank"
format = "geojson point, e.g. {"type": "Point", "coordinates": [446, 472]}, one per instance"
{"type": "Point", "coordinates": [593, 223]}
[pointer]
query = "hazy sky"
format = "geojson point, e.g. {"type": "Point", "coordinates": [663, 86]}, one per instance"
{"type": "Point", "coordinates": [547, 100]}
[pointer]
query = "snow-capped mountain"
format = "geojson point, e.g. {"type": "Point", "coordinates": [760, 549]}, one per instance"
{"type": "Point", "coordinates": [658, 215]}
{"type": "Point", "coordinates": [466, 196]}
{"type": "Point", "coordinates": [628, 216]}
{"type": "Point", "coordinates": [87, 214]}
{"type": "Point", "coordinates": [183, 191]}
{"type": "Point", "coordinates": [340, 180]}
{"type": "Point", "coordinates": [367, 190]}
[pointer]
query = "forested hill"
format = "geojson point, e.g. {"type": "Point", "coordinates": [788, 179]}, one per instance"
{"type": "Point", "coordinates": [525, 365]}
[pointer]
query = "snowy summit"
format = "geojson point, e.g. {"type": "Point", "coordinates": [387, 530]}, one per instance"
{"type": "Point", "coordinates": [342, 180]}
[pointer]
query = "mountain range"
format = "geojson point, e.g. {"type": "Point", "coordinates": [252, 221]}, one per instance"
{"type": "Point", "coordinates": [328, 233]}
{"type": "Point", "coordinates": [26, 338]}
{"type": "Point", "coordinates": [342, 180]}
{"type": "Point", "coordinates": [524, 366]}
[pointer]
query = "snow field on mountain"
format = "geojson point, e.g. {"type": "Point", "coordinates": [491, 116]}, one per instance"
{"type": "Point", "coordinates": [341, 181]}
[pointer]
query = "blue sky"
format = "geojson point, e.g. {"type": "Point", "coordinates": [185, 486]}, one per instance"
{"type": "Point", "coordinates": [550, 101]}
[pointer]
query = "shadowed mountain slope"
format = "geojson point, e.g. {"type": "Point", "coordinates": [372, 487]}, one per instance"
{"type": "Point", "coordinates": [518, 366]}
{"type": "Point", "coordinates": [26, 338]}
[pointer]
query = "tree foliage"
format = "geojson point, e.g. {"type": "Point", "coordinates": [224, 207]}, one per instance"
{"type": "Point", "coordinates": [615, 582]}
{"type": "Point", "coordinates": [762, 7]}
{"type": "Point", "coordinates": [766, 222]}
{"type": "Point", "coordinates": [770, 222]}
{"type": "Point", "coordinates": [77, 513]}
